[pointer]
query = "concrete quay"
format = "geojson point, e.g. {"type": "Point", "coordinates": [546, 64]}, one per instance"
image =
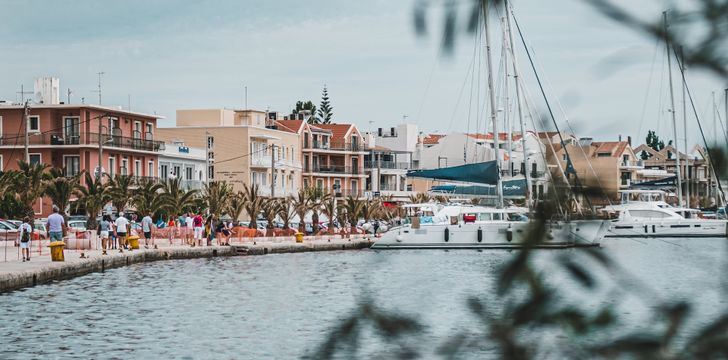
{"type": "Point", "coordinates": [16, 274]}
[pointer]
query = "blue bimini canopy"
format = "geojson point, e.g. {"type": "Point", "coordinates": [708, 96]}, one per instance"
{"type": "Point", "coordinates": [481, 173]}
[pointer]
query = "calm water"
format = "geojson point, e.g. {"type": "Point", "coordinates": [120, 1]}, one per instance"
{"type": "Point", "coordinates": [283, 306]}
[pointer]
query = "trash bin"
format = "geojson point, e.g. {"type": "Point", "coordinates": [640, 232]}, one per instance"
{"type": "Point", "coordinates": [57, 250]}
{"type": "Point", "coordinates": [299, 237]}
{"type": "Point", "coordinates": [133, 242]}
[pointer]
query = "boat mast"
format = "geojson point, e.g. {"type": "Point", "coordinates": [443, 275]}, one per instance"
{"type": "Point", "coordinates": [672, 112]}
{"type": "Point", "coordinates": [518, 99]}
{"type": "Point", "coordinates": [685, 130]}
{"type": "Point", "coordinates": [493, 110]}
{"type": "Point", "coordinates": [506, 108]}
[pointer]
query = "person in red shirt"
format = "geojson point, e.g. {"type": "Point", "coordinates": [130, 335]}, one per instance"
{"type": "Point", "coordinates": [197, 224]}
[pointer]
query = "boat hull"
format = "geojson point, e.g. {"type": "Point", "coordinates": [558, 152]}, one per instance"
{"type": "Point", "coordinates": [496, 235]}
{"type": "Point", "coordinates": [684, 228]}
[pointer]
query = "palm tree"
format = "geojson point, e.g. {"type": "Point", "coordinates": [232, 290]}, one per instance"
{"type": "Point", "coordinates": [354, 208]}
{"type": "Point", "coordinates": [216, 195]}
{"type": "Point", "coordinates": [253, 203]}
{"type": "Point", "coordinates": [286, 210]}
{"type": "Point", "coordinates": [329, 207]}
{"type": "Point", "coordinates": [316, 197]}
{"type": "Point", "coordinates": [419, 198]}
{"type": "Point", "coordinates": [177, 200]}
{"type": "Point", "coordinates": [300, 204]}
{"type": "Point", "coordinates": [28, 184]}
{"type": "Point", "coordinates": [120, 190]}
{"type": "Point", "coordinates": [148, 199]}
{"type": "Point", "coordinates": [269, 210]}
{"type": "Point", "coordinates": [60, 188]}
{"type": "Point", "coordinates": [92, 196]}
{"type": "Point", "coordinates": [236, 205]}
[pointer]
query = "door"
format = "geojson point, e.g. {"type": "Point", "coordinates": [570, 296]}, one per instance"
{"type": "Point", "coordinates": [71, 130]}
{"type": "Point", "coordinates": [355, 165]}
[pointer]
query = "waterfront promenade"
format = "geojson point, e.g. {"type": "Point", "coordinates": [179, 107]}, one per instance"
{"type": "Point", "coordinates": [16, 274]}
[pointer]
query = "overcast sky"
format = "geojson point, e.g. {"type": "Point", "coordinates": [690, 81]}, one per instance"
{"type": "Point", "coordinates": [169, 54]}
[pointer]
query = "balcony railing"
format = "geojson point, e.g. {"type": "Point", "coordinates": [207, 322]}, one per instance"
{"type": "Point", "coordinates": [60, 139]}
{"type": "Point", "coordinates": [389, 165]}
{"type": "Point", "coordinates": [334, 145]}
{"type": "Point", "coordinates": [631, 163]}
{"type": "Point", "coordinates": [333, 169]}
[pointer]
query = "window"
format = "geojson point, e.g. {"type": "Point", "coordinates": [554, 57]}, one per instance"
{"type": "Point", "coordinates": [71, 165]}
{"type": "Point", "coordinates": [337, 185]}
{"type": "Point", "coordinates": [113, 124]}
{"type": "Point", "coordinates": [112, 166]}
{"type": "Point", "coordinates": [150, 169]}
{"type": "Point", "coordinates": [320, 184]}
{"type": "Point", "coordinates": [137, 134]}
{"type": "Point", "coordinates": [33, 123]}
{"type": "Point", "coordinates": [35, 159]}
{"type": "Point", "coordinates": [188, 173]}
{"type": "Point", "coordinates": [150, 128]}
{"type": "Point", "coordinates": [305, 140]}
{"type": "Point", "coordinates": [210, 172]}
{"type": "Point", "coordinates": [163, 171]}
{"type": "Point", "coordinates": [124, 167]}
{"type": "Point", "coordinates": [305, 183]}
{"type": "Point", "coordinates": [71, 130]}
{"type": "Point", "coordinates": [563, 157]}
{"type": "Point", "coordinates": [177, 171]}
{"type": "Point", "coordinates": [210, 142]}
{"type": "Point", "coordinates": [354, 185]}
{"type": "Point", "coordinates": [137, 167]}
{"type": "Point", "coordinates": [1, 163]}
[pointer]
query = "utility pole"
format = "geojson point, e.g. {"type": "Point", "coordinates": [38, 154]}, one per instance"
{"type": "Point", "coordinates": [26, 116]}
{"type": "Point", "coordinates": [272, 171]}
{"type": "Point", "coordinates": [518, 101]}
{"type": "Point", "coordinates": [672, 112]}
{"type": "Point", "coordinates": [246, 97]}
{"type": "Point", "coordinates": [493, 110]}
{"type": "Point", "coordinates": [101, 149]}
{"type": "Point", "coordinates": [68, 94]}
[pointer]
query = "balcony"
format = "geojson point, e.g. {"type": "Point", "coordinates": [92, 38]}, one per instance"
{"type": "Point", "coordinates": [333, 169]}
{"type": "Point", "coordinates": [61, 139]}
{"type": "Point", "coordinates": [389, 165]}
{"type": "Point", "coordinates": [639, 164]}
{"type": "Point", "coordinates": [333, 145]}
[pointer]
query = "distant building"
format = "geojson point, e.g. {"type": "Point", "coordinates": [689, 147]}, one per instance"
{"type": "Point", "coordinates": [178, 161]}
{"type": "Point", "coordinates": [391, 155]}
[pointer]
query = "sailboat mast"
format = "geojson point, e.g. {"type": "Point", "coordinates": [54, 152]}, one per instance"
{"type": "Point", "coordinates": [672, 112]}
{"type": "Point", "coordinates": [685, 129]}
{"type": "Point", "coordinates": [518, 99]}
{"type": "Point", "coordinates": [493, 110]}
{"type": "Point", "coordinates": [506, 108]}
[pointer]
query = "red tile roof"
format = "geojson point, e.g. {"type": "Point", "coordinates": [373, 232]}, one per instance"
{"type": "Point", "coordinates": [432, 139]}
{"type": "Point", "coordinates": [338, 131]}
{"type": "Point", "coordinates": [614, 148]}
{"type": "Point", "coordinates": [290, 125]}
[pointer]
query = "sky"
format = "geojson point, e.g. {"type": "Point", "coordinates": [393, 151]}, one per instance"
{"type": "Point", "coordinates": [164, 55]}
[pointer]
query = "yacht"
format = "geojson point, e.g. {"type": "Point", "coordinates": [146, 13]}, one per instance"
{"type": "Point", "coordinates": [457, 226]}
{"type": "Point", "coordinates": [646, 214]}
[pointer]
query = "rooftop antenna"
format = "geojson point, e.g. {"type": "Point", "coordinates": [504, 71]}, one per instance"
{"type": "Point", "coordinates": [99, 85]}
{"type": "Point", "coordinates": [22, 93]}
{"type": "Point", "coordinates": [68, 94]}
{"type": "Point", "coordinates": [246, 97]}
{"type": "Point", "coordinates": [404, 117]}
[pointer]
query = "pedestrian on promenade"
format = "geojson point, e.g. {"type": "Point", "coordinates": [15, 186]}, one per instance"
{"type": "Point", "coordinates": [121, 224]}
{"type": "Point", "coordinates": [172, 228]}
{"type": "Point", "coordinates": [198, 224]}
{"type": "Point", "coordinates": [189, 220]}
{"type": "Point", "coordinates": [104, 229]}
{"type": "Point", "coordinates": [224, 233]}
{"type": "Point", "coordinates": [56, 226]}
{"type": "Point", "coordinates": [25, 233]}
{"type": "Point", "coordinates": [147, 226]}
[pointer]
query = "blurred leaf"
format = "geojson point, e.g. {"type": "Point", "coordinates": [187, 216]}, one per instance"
{"type": "Point", "coordinates": [644, 345]}
{"type": "Point", "coordinates": [578, 273]}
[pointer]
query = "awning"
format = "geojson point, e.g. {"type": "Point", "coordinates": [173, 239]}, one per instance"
{"type": "Point", "coordinates": [482, 173]}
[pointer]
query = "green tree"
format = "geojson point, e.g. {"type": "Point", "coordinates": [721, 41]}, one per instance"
{"type": "Point", "coordinates": [269, 210]}
{"type": "Point", "coordinates": [329, 208]}
{"type": "Point", "coordinates": [178, 200]}
{"type": "Point", "coordinates": [217, 195]}
{"type": "Point", "coordinates": [149, 198]}
{"type": "Point", "coordinates": [28, 185]}
{"type": "Point", "coordinates": [308, 107]}
{"type": "Point", "coordinates": [253, 203]}
{"type": "Point", "coordinates": [60, 188]}
{"type": "Point", "coordinates": [286, 210]}
{"type": "Point", "coordinates": [121, 189]}
{"type": "Point", "coordinates": [316, 197]}
{"type": "Point", "coordinates": [353, 208]}
{"type": "Point", "coordinates": [92, 195]}
{"type": "Point", "coordinates": [301, 204]}
{"type": "Point", "coordinates": [325, 111]}
{"type": "Point", "coordinates": [236, 205]}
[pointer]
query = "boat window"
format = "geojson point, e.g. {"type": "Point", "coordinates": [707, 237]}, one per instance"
{"type": "Point", "coordinates": [497, 216]}
{"type": "Point", "coordinates": [648, 214]}
{"type": "Point", "coordinates": [485, 216]}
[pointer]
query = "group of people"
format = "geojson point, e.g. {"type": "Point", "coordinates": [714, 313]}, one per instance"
{"type": "Point", "coordinates": [56, 231]}
{"type": "Point", "coordinates": [115, 233]}
{"type": "Point", "coordinates": [196, 230]}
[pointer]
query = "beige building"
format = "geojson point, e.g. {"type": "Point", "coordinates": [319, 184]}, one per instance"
{"type": "Point", "coordinates": [241, 148]}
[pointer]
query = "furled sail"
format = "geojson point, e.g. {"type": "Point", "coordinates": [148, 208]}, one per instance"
{"type": "Point", "coordinates": [481, 173]}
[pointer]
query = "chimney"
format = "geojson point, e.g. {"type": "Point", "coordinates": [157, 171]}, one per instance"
{"type": "Point", "coordinates": [629, 140]}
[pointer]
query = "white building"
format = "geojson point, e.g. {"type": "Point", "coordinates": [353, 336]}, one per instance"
{"type": "Point", "coordinates": [47, 90]}
{"type": "Point", "coordinates": [185, 163]}
{"type": "Point", "coordinates": [391, 155]}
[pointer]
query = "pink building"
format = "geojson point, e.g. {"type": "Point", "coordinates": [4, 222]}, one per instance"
{"type": "Point", "coordinates": [67, 137]}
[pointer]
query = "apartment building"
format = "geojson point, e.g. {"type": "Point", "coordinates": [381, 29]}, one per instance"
{"type": "Point", "coordinates": [243, 147]}
{"type": "Point", "coordinates": [188, 164]}
{"type": "Point", "coordinates": [67, 137]}
{"type": "Point", "coordinates": [390, 155]}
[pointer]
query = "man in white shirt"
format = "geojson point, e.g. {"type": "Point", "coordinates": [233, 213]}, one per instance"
{"type": "Point", "coordinates": [189, 228]}
{"type": "Point", "coordinates": [122, 225]}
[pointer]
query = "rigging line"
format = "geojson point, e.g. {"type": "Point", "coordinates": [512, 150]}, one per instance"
{"type": "Point", "coordinates": [548, 105]}
{"type": "Point", "coordinates": [244, 155]}
{"type": "Point", "coordinates": [720, 121]}
{"type": "Point", "coordinates": [427, 89]}
{"type": "Point", "coordinates": [476, 42]}
{"type": "Point", "coordinates": [700, 126]}
{"type": "Point", "coordinates": [568, 125]}
{"type": "Point", "coordinates": [649, 87]}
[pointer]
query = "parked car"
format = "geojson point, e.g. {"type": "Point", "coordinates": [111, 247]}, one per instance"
{"type": "Point", "coordinates": [77, 225]}
{"type": "Point", "coordinates": [8, 231]}
{"type": "Point", "coordinates": [17, 223]}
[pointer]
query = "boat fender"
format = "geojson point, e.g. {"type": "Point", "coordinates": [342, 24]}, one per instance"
{"type": "Point", "coordinates": [509, 234]}
{"type": "Point", "coordinates": [399, 238]}
{"type": "Point", "coordinates": [447, 234]}
{"type": "Point", "coordinates": [480, 235]}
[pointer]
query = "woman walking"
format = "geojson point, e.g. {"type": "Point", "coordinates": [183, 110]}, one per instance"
{"type": "Point", "coordinates": [25, 231]}
{"type": "Point", "coordinates": [104, 230]}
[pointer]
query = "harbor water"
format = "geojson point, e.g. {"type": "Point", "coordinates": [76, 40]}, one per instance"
{"type": "Point", "coordinates": [284, 306]}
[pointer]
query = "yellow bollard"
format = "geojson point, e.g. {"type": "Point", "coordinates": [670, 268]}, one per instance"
{"type": "Point", "coordinates": [299, 237]}
{"type": "Point", "coordinates": [57, 250]}
{"type": "Point", "coordinates": [133, 242]}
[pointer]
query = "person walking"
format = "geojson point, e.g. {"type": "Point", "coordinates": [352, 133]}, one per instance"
{"type": "Point", "coordinates": [121, 224]}
{"type": "Point", "coordinates": [172, 228]}
{"type": "Point", "coordinates": [104, 230]}
{"type": "Point", "coordinates": [56, 226]}
{"type": "Point", "coordinates": [25, 234]}
{"type": "Point", "coordinates": [209, 230]}
{"type": "Point", "coordinates": [147, 226]}
{"type": "Point", "coordinates": [189, 220]}
{"type": "Point", "coordinates": [197, 224]}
